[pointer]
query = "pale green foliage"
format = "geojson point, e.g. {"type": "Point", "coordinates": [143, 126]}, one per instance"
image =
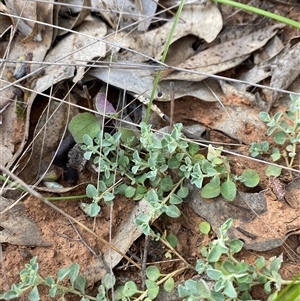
{"type": "Point", "coordinates": [31, 280]}
{"type": "Point", "coordinates": [226, 278]}
{"type": "Point", "coordinates": [221, 277]}
{"type": "Point", "coordinates": [285, 130]}
{"type": "Point", "coordinates": [157, 170]}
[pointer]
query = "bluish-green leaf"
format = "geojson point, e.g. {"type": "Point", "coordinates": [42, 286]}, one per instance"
{"type": "Point", "coordinates": [183, 192]}
{"type": "Point", "coordinates": [280, 138]}
{"type": "Point", "coordinates": [73, 272]}
{"type": "Point", "coordinates": [229, 290]}
{"type": "Point", "coordinates": [213, 274]}
{"type": "Point", "coordinates": [91, 191]}
{"type": "Point", "coordinates": [80, 283]}
{"type": "Point", "coordinates": [169, 285]}
{"type": "Point", "coordinates": [210, 191]}
{"type": "Point", "coordinates": [108, 281]}
{"type": "Point", "coordinates": [166, 184]}
{"type": "Point", "coordinates": [153, 273]}
{"type": "Point", "coordinates": [129, 289]}
{"type": "Point", "coordinates": [228, 190]}
{"type": "Point", "coordinates": [235, 245]}
{"type": "Point", "coordinates": [153, 289]}
{"type": "Point", "coordinates": [91, 210]}
{"type": "Point", "coordinates": [173, 211]}
{"type": "Point", "coordinates": [264, 116]}
{"type": "Point", "coordinates": [274, 171]}
{"type": "Point", "coordinates": [130, 191]}
{"type": "Point", "coordinates": [175, 199]}
{"type": "Point", "coordinates": [250, 178]}
{"type": "Point", "coordinates": [34, 294]}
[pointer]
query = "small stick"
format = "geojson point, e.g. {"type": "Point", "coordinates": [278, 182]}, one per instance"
{"type": "Point", "coordinates": [153, 107]}
{"type": "Point", "coordinates": [100, 256]}
{"type": "Point", "coordinates": [144, 262]}
{"type": "Point", "coordinates": [88, 96]}
{"type": "Point", "coordinates": [172, 106]}
{"type": "Point", "coordinates": [246, 233]}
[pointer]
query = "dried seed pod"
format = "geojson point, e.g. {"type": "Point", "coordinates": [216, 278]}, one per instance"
{"type": "Point", "coordinates": [277, 187]}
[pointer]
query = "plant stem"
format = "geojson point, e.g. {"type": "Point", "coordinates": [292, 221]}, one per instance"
{"type": "Point", "coordinates": [60, 198]}
{"type": "Point", "coordinates": [144, 295]}
{"type": "Point", "coordinates": [261, 12]}
{"type": "Point", "coordinates": [165, 200]}
{"type": "Point", "coordinates": [168, 43]}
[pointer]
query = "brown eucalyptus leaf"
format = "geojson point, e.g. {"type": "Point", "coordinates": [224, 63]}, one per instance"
{"type": "Point", "coordinates": [5, 21]}
{"type": "Point", "coordinates": [68, 52]}
{"type": "Point", "coordinates": [118, 13]}
{"type": "Point", "coordinates": [263, 60]}
{"type": "Point", "coordinates": [48, 134]}
{"type": "Point", "coordinates": [223, 56]}
{"type": "Point", "coordinates": [16, 134]}
{"type": "Point", "coordinates": [271, 50]}
{"type": "Point", "coordinates": [141, 82]}
{"type": "Point", "coordinates": [285, 71]}
{"type": "Point", "coordinates": [201, 21]}
{"type": "Point", "coordinates": [17, 228]}
{"type": "Point", "coordinates": [34, 11]}
{"type": "Point", "coordinates": [232, 119]}
{"type": "Point", "coordinates": [147, 9]}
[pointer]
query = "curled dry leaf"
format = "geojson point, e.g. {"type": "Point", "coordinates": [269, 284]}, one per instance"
{"type": "Point", "coordinates": [103, 106]}
{"type": "Point", "coordinates": [66, 21]}
{"type": "Point", "coordinates": [201, 21]}
{"type": "Point", "coordinates": [118, 13]}
{"type": "Point", "coordinates": [141, 82]}
{"type": "Point", "coordinates": [223, 56]}
{"type": "Point", "coordinates": [127, 233]}
{"type": "Point", "coordinates": [123, 13]}
{"type": "Point", "coordinates": [74, 52]}
{"type": "Point", "coordinates": [260, 222]}
{"type": "Point", "coordinates": [16, 133]}
{"type": "Point", "coordinates": [30, 10]}
{"type": "Point", "coordinates": [284, 72]}
{"type": "Point", "coordinates": [47, 136]}
{"type": "Point", "coordinates": [147, 9]}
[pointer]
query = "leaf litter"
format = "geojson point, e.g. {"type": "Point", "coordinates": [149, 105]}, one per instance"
{"type": "Point", "coordinates": [69, 49]}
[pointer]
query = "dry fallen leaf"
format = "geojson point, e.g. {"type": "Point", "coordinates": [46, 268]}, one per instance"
{"type": "Point", "coordinates": [14, 127]}
{"type": "Point", "coordinates": [141, 82]}
{"type": "Point", "coordinates": [74, 52]}
{"type": "Point", "coordinates": [223, 56]}
{"type": "Point", "coordinates": [202, 22]}
{"type": "Point", "coordinates": [248, 211]}
{"type": "Point", "coordinates": [285, 71]}
{"type": "Point", "coordinates": [68, 22]}
{"type": "Point", "coordinates": [30, 10]}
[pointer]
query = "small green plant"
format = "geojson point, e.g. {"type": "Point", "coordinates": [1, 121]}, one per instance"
{"type": "Point", "coordinates": [31, 280]}
{"type": "Point", "coordinates": [221, 277]}
{"type": "Point", "coordinates": [285, 130]}
{"type": "Point", "coordinates": [226, 278]}
{"type": "Point", "coordinates": [157, 170]}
